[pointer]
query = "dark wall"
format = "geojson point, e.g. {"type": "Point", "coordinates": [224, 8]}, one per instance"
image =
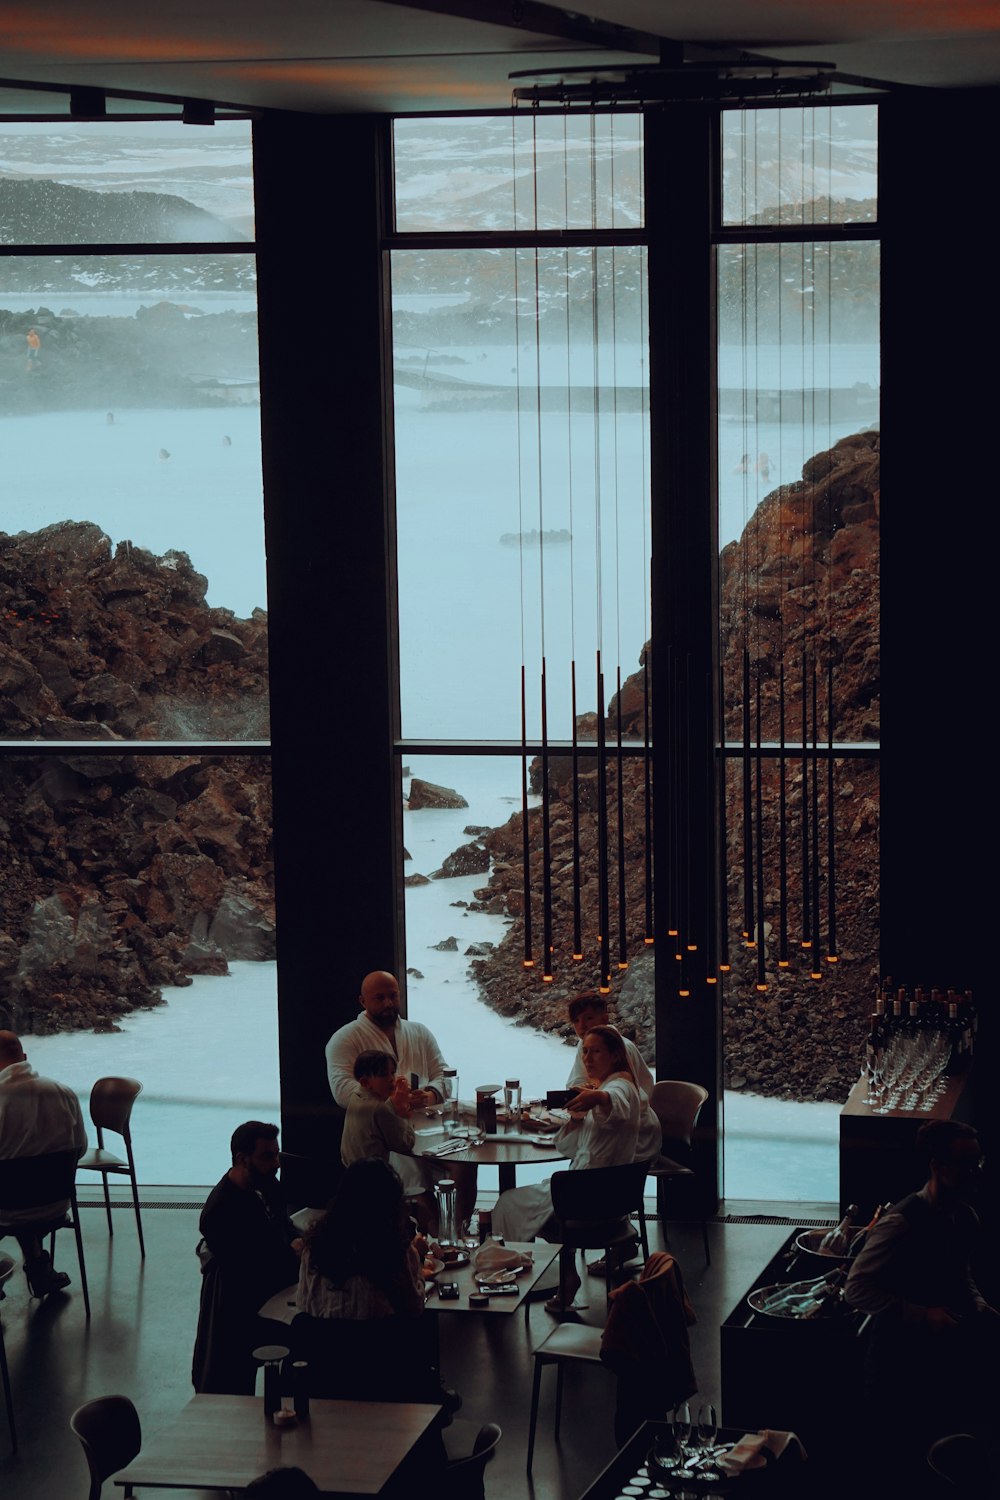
{"type": "Point", "coordinates": [939, 459]}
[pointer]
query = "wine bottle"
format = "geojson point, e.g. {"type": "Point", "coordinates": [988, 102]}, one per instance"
{"type": "Point", "coordinates": [862, 1235]}
{"type": "Point", "coordinates": [837, 1241]}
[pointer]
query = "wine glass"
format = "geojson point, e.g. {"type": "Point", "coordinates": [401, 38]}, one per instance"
{"type": "Point", "coordinates": [681, 1424]}
{"type": "Point", "coordinates": [708, 1424]}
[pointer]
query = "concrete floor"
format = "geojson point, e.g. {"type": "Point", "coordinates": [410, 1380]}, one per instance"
{"type": "Point", "coordinates": [140, 1338]}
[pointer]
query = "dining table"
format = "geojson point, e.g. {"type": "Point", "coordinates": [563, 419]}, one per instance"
{"type": "Point", "coordinates": [512, 1144]}
{"type": "Point", "coordinates": [348, 1448]}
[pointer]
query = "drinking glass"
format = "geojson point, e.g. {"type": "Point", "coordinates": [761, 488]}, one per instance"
{"type": "Point", "coordinates": [681, 1424]}
{"type": "Point", "coordinates": [708, 1424]}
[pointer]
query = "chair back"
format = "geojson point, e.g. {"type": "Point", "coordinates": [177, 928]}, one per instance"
{"type": "Point", "coordinates": [111, 1101]}
{"type": "Point", "coordinates": [598, 1194]}
{"type": "Point", "coordinates": [960, 1460]}
{"type": "Point", "coordinates": [109, 1434]}
{"type": "Point", "coordinates": [464, 1477]}
{"type": "Point", "coordinates": [677, 1106]}
{"type": "Point", "coordinates": [31, 1181]}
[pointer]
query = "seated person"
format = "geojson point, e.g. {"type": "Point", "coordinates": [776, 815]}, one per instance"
{"type": "Point", "coordinates": [610, 1124]}
{"type": "Point", "coordinates": [361, 1264]}
{"type": "Point", "coordinates": [249, 1251]}
{"type": "Point", "coordinates": [585, 1012]}
{"type": "Point", "coordinates": [934, 1341]}
{"type": "Point", "coordinates": [37, 1116]}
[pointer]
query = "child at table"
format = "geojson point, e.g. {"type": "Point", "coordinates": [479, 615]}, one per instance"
{"type": "Point", "coordinates": [378, 1114]}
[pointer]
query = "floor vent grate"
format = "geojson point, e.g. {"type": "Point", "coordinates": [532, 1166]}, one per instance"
{"type": "Point", "coordinates": [774, 1219]}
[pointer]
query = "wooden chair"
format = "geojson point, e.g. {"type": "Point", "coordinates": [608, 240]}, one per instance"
{"type": "Point", "coordinates": [593, 1208]}
{"type": "Point", "coordinates": [111, 1101]}
{"type": "Point", "coordinates": [31, 1182]}
{"type": "Point", "coordinates": [677, 1106]}
{"type": "Point", "coordinates": [464, 1476]}
{"type": "Point", "coordinates": [7, 1269]}
{"type": "Point", "coordinates": [110, 1435]}
{"type": "Point", "coordinates": [960, 1462]}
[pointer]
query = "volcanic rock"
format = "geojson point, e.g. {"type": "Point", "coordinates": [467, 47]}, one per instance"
{"type": "Point", "coordinates": [427, 794]}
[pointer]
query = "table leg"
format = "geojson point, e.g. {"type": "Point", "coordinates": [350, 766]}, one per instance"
{"type": "Point", "coordinates": [508, 1175]}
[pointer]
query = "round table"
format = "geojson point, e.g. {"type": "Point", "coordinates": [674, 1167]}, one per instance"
{"type": "Point", "coordinates": [508, 1148]}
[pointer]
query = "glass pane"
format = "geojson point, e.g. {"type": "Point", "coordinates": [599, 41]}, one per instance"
{"type": "Point", "coordinates": [793, 1051]}
{"type": "Point", "coordinates": [465, 908]}
{"type": "Point", "coordinates": [140, 916]}
{"type": "Point", "coordinates": [521, 415]}
{"type": "Point", "coordinates": [800, 166]}
{"type": "Point", "coordinates": [526, 171]}
{"type": "Point", "coordinates": [132, 512]}
{"type": "Point", "coordinates": [799, 466]}
{"type": "Point", "coordinates": [125, 182]}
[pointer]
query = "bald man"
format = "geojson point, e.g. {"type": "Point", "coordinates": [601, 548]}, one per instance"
{"type": "Point", "coordinates": [37, 1116]}
{"type": "Point", "coordinates": [380, 1028]}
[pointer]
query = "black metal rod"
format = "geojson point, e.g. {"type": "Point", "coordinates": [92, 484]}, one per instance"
{"type": "Point", "coordinates": [748, 918]}
{"type": "Point", "coordinates": [806, 939]}
{"type": "Point", "coordinates": [546, 840]}
{"type": "Point", "coordinates": [782, 830]}
{"type": "Point", "coordinates": [759, 934]}
{"type": "Point", "coordinates": [814, 863]}
{"type": "Point", "coordinates": [602, 836]}
{"type": "Point", "coordinates": [577, 915]}
{"type": "Point", "coordinates": [723, 791]}
{"type": "Point", "coordinates": [528, 961]}
{"type": "Point", "coordinates": [647, 791]}
{"type": "Point", "coordinates": [620, 789]}
{"type": "Point", "coordinates": [831, 839]}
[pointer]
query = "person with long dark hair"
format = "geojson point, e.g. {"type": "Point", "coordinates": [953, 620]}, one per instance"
{"type": "Point", "coordinates": [360, 1260]}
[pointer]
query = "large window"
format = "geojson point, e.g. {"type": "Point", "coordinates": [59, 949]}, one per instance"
{"type": "Point", "coordinates": [798, 464]}
{"type": "Point", "coordinates": [521, 419]}
{"type": "Point", "coordinates": [135, 801]}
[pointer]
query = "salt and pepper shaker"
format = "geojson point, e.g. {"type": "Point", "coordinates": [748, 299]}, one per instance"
{"type": "Point", "coordinates": [270, 1356]}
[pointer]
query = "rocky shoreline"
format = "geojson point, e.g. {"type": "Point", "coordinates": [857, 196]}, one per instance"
{"type": "Point", "coordinates": [124, 872]}
{"type": "Point", "coordinates": [801, 1039]}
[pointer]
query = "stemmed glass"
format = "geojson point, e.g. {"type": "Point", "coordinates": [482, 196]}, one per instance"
{"type": "Point", "coordinates": [708, 1424]}
{"type": "Point", "coordinates": [681, 1424]}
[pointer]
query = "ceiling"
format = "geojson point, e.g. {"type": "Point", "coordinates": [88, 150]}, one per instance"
{"type": "Point", "coordinates": [371, 55]}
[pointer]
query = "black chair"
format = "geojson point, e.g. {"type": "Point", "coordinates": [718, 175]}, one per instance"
{"type": "Point", "coordinates": [32, 1182]}
{"type": "Point", "coordinates": [111, 1101]}
{"type": "Point", "coordinates": [464, 1476]}
{"type": "Point", "coordinates": [110, 1436]}
{"type": "Point", "coordinates": [593, 1207]}
{"type": "Point", "coordinates": [960, 1462]}
{"type": "Point", "coordinates": [7, 1269]}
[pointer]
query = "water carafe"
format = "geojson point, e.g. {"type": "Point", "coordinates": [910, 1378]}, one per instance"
{"type": "Point", "coordinates": [444, 1194]}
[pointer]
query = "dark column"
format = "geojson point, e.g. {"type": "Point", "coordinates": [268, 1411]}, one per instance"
{"type": "Point", "coordinates": [939, 462]}
{"type": "Point", "coordinates": [326, 481]}
{"type": "Point", "coordinates": [679, 161]}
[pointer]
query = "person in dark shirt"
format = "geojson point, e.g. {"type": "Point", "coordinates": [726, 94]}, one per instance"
{"type": "Point", "coordinates": [249, 1251]}
{"type": "Point", "coordinates": [934, 1340]}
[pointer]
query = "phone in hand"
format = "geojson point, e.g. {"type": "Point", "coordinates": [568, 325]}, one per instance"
{"type": "Point", "coordinates": [507, 1289]}
{"type": "Point", "coordinates": [448, 1290]}
{"type": "Point", "coordinates": [559, 1098]}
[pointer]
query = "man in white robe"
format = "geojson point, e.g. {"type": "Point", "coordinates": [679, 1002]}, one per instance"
{"type": "Point", "coordinates": [380, 1028]}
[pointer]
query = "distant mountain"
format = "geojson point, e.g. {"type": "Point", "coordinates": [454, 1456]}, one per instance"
{"type": "Point", "coordinates": [34, 212]}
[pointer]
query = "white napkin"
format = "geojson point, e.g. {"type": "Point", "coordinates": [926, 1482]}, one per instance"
{"type": "Point", "coordinates": [757, 1449]}
{"type": "Point", "coordinates": [493, 1257]}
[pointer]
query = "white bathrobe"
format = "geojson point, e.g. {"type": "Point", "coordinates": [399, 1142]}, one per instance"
{"type": "Point", "coordinates": [610, 1135]}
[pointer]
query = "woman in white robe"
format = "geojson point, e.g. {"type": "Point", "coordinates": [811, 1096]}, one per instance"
{"type": "Point", "coordinates": [610, 1124]}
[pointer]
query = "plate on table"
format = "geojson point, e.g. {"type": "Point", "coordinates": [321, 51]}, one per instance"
{"type": "Point", "coordinates": [432, 1266]}
{"type": "Point", "coordinates": [541, 1140]}
{"type": "Point", "coordinates": [499, 1278]}
{"type": "Point", "coordinates": [451, 1259]}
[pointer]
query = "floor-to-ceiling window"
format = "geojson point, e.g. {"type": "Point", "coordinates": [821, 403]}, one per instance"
{"type": "Point", "coordinates": [135, 799]}
{"type": "Point", "coordinates": [520, 369]}
{"type": "Point", "coordinates": [798, 493]}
